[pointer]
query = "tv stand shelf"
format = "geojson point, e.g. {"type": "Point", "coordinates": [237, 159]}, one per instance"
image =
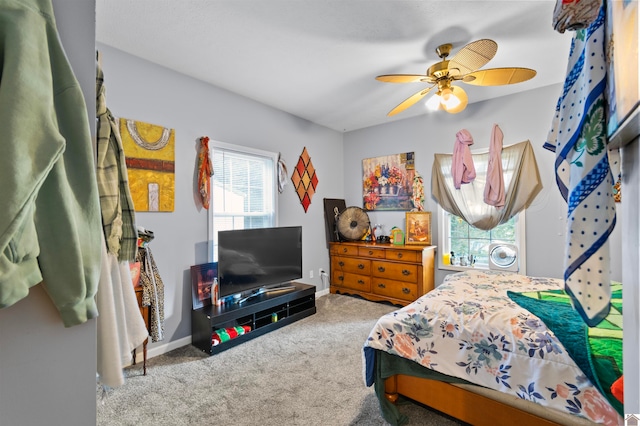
{"type": "Point", "coordinates": [257, 312]}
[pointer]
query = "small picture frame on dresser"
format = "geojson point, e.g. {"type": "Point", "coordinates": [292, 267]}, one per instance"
{"type": "Point", "coordinates": [418, 228]}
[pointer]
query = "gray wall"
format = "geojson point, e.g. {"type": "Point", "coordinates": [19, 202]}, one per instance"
{"type": "Point", "coordinates": [140, 90]}
{"type": "Point", "coordinates": [631, 272]}
{"type": "Point", "coordinates": [48, 372]}
{"type": "Point", "coordinates": [521, 117]}
{"type": "Point", "coordinates": [148, 92]}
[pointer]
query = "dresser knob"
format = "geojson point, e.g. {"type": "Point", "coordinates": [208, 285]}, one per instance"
{"type": "Point", "coordinates": [361, 282]}
{"type": "Point", "coordinates": [370, 252]}
{"type": "Point", "coordinates": [406, 290]}
{"type": "Point", "coordinates": [340, 277]}
{"type": "Point", "coordinates": [381, 285]}
{"type": "Point", "coordinates": [344, 250]}
{"type": "Point", "coordinates": [381, 269]}
{"type": "Point", "coordinates": [405, 272]}
{"type": "Point", "coordinates": [360, 266]}
{"type": "Point", "coordinates": [341, 263]}
{"type": "Point", "coordinates": [399, 255]}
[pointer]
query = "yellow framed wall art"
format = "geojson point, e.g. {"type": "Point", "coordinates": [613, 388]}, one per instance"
{"type": "Point", "coordinates": [150, 157]}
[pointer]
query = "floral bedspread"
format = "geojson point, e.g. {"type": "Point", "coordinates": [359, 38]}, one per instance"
{"type": "Point", "coordinates": [469, 328]}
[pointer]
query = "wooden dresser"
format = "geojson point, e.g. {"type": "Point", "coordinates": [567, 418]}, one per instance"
{"type": "Point", "coordinates": [382, 272]}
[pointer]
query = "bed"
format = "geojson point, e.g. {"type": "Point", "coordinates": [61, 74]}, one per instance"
{"type": "Point", "coordinates": [470, 349]}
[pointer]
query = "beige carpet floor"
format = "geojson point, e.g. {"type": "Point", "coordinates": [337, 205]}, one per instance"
{"type": "Point", "coordinates": [306, 373]}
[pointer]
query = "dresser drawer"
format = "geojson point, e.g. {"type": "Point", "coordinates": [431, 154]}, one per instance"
{"type": "Point", "coordinates": [339, 249]}
{"type": "Point", "coordinates": [350, 264]}
{"type": "Point", "coordinates": [398, 271]}
{"type": "Point", "coordinates": [404, 255]}
{"type": "Point", "coordinates": [395, 289]}
{"type": "Point", "coordinates": [353, 281]}
{"type": "Point", "coordinates": [144, 310]}
{"type": "Point", "coordinates": [376, 253]}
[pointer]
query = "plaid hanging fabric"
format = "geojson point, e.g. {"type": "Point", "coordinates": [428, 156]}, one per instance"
{"type": "Point", "coordinates": [205, 171]}
{"type": "Point", "coordinates": [116, 204]}
{"type": "Point", "coordinates": [584, 178]}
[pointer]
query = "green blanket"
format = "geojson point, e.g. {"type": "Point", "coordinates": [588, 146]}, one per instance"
{"type": "Point", "coordinates": [596, 350]}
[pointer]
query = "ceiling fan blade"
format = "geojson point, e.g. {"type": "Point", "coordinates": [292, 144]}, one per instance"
{"type": "Point", "coordinates": [403, 78]}
{"type": "Point", "coordinates": [410, 101]}
{"type": "Point", "coordinates": [499, 76]}
{"type": "Point", "coordinates": [473, 56]}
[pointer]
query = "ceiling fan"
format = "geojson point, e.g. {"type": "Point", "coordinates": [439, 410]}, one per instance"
{"type": "Point", "coordinates": [463, 66]}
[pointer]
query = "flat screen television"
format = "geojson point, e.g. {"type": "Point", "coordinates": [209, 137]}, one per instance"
{"type": "Point", "coordinates": [258, 259]}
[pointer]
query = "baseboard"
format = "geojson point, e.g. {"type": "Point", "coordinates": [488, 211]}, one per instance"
{"type": "Point", "coordinates": [162, 349]}
{"type": "Point", "coordinates": [322, 293]}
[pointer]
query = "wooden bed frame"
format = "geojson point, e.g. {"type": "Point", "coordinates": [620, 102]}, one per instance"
{"type": "Point", "coordinates": [457, 402]}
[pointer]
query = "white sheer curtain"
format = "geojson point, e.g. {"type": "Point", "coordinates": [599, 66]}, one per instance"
{"type": "Point", "coordinates": [521, 181]}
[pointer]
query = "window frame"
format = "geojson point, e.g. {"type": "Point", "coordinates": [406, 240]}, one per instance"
{"type": "Point", "coordinates": [223, 146]}
{"type": "Point", "coordinates": [443, 242]}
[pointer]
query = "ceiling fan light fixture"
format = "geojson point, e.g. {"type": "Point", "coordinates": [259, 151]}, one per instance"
{"type": "Point", "coordinates": [465, 67]}
{"type": "Point", "coordinates": [460, 103]}
{"type": "Point", "coordinates": [433, 103]}
{"type": "Point", "coordinates": [449, 100]}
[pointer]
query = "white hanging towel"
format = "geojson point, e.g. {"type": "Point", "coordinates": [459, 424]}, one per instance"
{"type": "Point", "coordinates": [120, 327]}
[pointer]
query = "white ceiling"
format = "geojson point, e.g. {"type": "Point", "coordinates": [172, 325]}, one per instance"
{"type": "Point", "coordinates": [317, 59]}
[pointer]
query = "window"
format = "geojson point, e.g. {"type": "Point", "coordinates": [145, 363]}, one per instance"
{"type": "Point", "coordinates": [242, 190]}
{"type": "Point", "coordinates": [456, 235]}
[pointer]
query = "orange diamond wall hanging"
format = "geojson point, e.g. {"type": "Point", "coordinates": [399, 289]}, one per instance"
{"type": "Point", "coordinates": [305, 180]}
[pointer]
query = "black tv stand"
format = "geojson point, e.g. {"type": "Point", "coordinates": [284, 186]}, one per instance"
{"type": "Point", "coordinates": [263, 312]}
{"type": "Point", "coordinates": [267, 290]}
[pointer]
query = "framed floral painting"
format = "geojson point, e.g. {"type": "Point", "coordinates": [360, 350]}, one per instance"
{"type": "Point", "coordinates": [387, 182]}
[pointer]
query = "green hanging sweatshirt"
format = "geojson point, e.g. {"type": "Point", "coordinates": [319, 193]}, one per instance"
{"type": "Point", "coordinates": [49, 213]}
